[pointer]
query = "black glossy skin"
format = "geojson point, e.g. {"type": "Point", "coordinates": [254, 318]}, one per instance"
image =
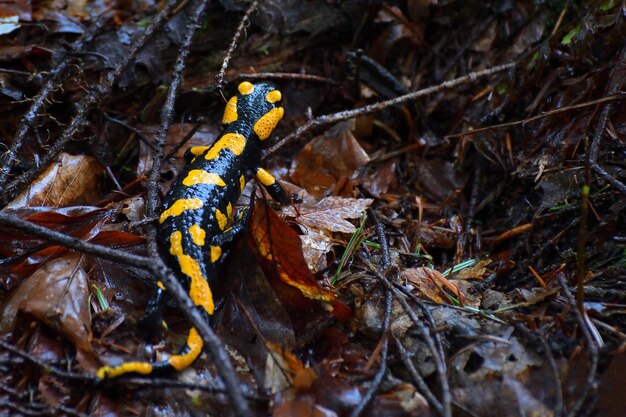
{"type": "Point", "coordinates": [252, 104]}
{"type": "Point", "coordinates": [230, 168]}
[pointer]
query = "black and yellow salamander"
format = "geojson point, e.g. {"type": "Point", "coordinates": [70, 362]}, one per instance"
{"type": "Point", "coordinates": [194, 226]}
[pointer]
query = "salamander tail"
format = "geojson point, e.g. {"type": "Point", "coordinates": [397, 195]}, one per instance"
{"type": "Point", "coordinates": [182, 360]}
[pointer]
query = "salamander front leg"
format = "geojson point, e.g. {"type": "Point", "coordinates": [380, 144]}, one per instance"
{"type": "Point", "coordinates": [231, 234]}
{"type": "Point", "coordinates": [272, 186]}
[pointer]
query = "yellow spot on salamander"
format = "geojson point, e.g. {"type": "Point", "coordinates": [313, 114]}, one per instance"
{"type": "Point", "coordinates": [198, 150]}
{"type": "Point", "coordinates": [273, 96]}
{"type": "Point", "coordinates": [194, 343]}
{"type": "Point", "coordinates": [161, 285]}
{"type": "Point", "coordinates": [216, 252]}
{"type": "Point", "coordinates": [143, 368]}
{"type": "Point", "coordinates": [197, 234]}
{"type": "Point", "coordinates": [229, 210]}
{"type": "Point", "coordinates": [179, 206]}
{"type": "Point", "coordinates": [266, 124]}
{"type": "Point", "coordinates": [242, 183]}
{"type": "Point", "coordinates": [221, 219]}
{"type": "Point", "coordinates": [230, 113]}
{"type": "Point", "coordinates": [200, 176]}
{"type": "Point", "coordinates": [232, 141]}
{"type": "Point", "coordinates": [245, 88]}
{"type": "Point", "coordinates": [265, 177]}
{"type": "Point", "coordinates": [199, 290]}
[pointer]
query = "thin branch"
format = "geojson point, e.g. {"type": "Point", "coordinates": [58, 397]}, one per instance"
{"type": "Point", "coordinates": [417, 378]}
{"type": "Point", "coordinates": [219, 78]}
{"type": "Point", "coordinates": [72, 242]}
{"type": "Point", "coordinates": [591, 347]}
{"type": "Point", "coordinates": [376, 381]}
{"type": "Point", "coordinates": [184, 140]}
{"type": "Point", "coordinates": [44, 365]}
{"type": "Point", "coordinates": [423, 331]}
{"type": "Point", "coordinates": [371, 108]}
{"type": "Point", "coordinates": [378, 378]}
{"type": "Point", "coordinates": [609, 178]}
{"type": "Point", "coordinates": [539, 116]}
{"type": "Point", "coordinates": [286, 76]}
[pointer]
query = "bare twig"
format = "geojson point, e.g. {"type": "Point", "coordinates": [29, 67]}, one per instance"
{"type": "Point", "coordinates": [539, 116]}
{"type": "Point", "coordinates": [378, 378]}
{"type": "Point", "coordinates": [219, 78]}
{"type": "Point", "coordinates": [371, 108]}
{"type": "Point", "coordinates": [423, 331]}
{"type": "Point", "coordinates": [591, 347]}
{"type": "Point", "coordinates": [285, 76]}
{"type": "Point", "coordinates": [609, 178]}
{"type": "Point", "coordinates": [72, 242]}
{"type": "Point", "coordinates": [417, 378]}
{"type": "Point", "coordinates": [376, 381]}
{"type": "Point", "coordinates": [558, 408]}
{"type": "Point", "coordinates": [44, 365]}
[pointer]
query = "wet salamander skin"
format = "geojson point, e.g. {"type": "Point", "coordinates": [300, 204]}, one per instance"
{"type": "Point", "coordinates": [193, 225]}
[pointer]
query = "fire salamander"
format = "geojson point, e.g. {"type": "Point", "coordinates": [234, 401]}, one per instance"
{"type": "Point", "coordinates": [194, 227]}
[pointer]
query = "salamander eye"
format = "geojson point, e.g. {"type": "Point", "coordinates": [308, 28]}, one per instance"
{"type": "Point", "coordinates": [273, 96]}
{"type": "Point", "coordinates": [246, 88]}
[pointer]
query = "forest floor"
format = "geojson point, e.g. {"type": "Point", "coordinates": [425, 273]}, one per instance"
{"type": "Point", "coordinates": [456, 240]}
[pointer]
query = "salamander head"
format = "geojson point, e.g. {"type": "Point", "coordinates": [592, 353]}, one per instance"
{"type": "Point", "coordinates": [259, 105]}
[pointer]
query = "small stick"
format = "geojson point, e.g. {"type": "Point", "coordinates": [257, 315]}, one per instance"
{"type": "Point", "coordinates": [219, 78]}
{"type": "Point", "coordinates": [286, 76]}
{"type": "Point", "coordinates": [72, 242]}
{"type": "Point", "coordinates": [381, 105]}
{"type": "Point", "coordinates": [591, 346]}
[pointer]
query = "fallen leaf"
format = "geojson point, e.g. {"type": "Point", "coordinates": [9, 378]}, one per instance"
{"type": "Point", "coordinates": [477, 271]}
{"type": "Point", "coordinates": [283, 369]}
{"type": "Point", "coordinates": [421, 281]}
{"type": "Point", "coordinates": [327, 158]}
{"type": "Point", "coordinates": [57, 294]}
{"type": "Point", "coordinates": [330, 213]}
{"type": "Point", "coordinates": [72, 180]}
{"type": "Point", "coordinates": [425, 280]}
{"type": "Point", "coordinates": [280, 248]}
{"type": "Point", "coordinates": [280, 244]}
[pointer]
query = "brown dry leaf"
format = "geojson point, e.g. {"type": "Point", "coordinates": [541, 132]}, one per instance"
{"type": "Point", "coordinates": [72, 180]}
{"type": "Point", "coordinates": [378, 179]}
{"type": "Point", "coordinates": [283, 370]}
{"type": "Point", "coordinates": [330, 213]}
{"type": "Point", "coordinates": [327, 158]}
{"type": "Point", "coordinates": [421, 281]}
{"type": "Point", "coordinates": [77, 8]}
{"type": "Point", "coordinates": [280, 250]}
{"type": "Point", "coordinates": [57, 294]}
{"type": "Point", "coordinates": [280, 245]}
{"type": "Point", "coordinates": [477, 271]}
